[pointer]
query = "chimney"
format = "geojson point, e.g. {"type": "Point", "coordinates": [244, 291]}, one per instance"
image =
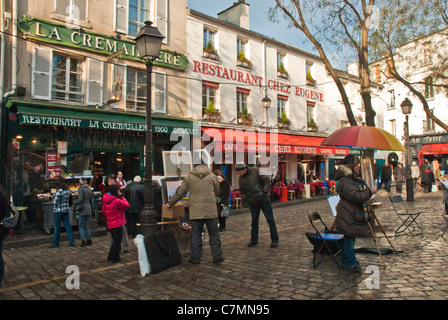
{"type": "Point", "coordinates": [238, 14]}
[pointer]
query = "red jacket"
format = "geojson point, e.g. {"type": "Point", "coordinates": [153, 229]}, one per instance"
{"type": "Point", "coordinates": [113, 209]}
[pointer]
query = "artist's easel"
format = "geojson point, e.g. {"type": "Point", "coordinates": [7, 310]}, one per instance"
{"type": "Point", "coordinates": [369, 210]}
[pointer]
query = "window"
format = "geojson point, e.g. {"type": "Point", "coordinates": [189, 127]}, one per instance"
{"type": "Point", "coordinates": [281, 105]}
{"type": "Point", "coordinates": [242, 96]}
{"type": "Point", "coordinates": [309, 72]}
{"type": "Point", "coordinates": [430, 125]}
{"type": "Point", "coordinates": [280, 60]}
{"type": "Point", "coordinates": [67, 79]}
{"type": "Point", "coordinates": [209, 91]}
{"type": "Point", "coordinates": [429, 88]}
{"type": "Point", "coordinates": [209, 37]}
{"type": "Point", "coordinates": [393, 127]}
{"type": "Point", "coordinates": [392, 100]}
{"type": "Point", "coordinates": [240, 47]}
{"type": "Point", "coordinates": [61, 77]}
{"type": "Point", "coordinates": [130, 16]}
{"type": "Point", "coordinates": [72, 9]}
{"type": "Point", "coordinates": [138, 14]}
{"type": "Point", "coordinates": [135, 90]}
{"type": "Point", "coordinates": [427, 54]}
{"type": "Point", "coordinates": [310, 116]}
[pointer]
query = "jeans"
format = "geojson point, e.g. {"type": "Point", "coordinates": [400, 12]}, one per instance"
{"type": "Point", "coordinates": [197, 227]}
{"type": "Point", "coordinates": [387, 185]}
{"type": "Point", "coordinates": [64, 217]}
{"type": "Point", "coordinates": [348, 257]}
{"type": "Point", "coordinates": [269, 215]}
{"type": "Point", "coordinates": [84, 227]}
{"type": "Point", "coordinates": [115, 248]}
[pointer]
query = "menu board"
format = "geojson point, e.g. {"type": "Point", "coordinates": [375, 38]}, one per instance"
{"type": "Point", "coordinates": [53, 161]}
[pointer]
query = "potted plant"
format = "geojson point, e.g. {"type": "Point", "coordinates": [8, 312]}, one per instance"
{"type": "Point", "coordinates": [309, 79]}
{"type": "Point", "coordinates": [284, 122]}
{"type": "Point", "coordinates": [281, 71]}
{"type": "Point", "coordinates": [212, 113]}
{"type": "Point", "coordinates": [245, 118]}
{"type": "Point", "coordinates": [242, 61]}
{"type": "Point", "coordinates": [312, 126]}
{"type": "Point", "coordinates": [210, 52]}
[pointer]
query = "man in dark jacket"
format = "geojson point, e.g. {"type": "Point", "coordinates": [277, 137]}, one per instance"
{"type": "Point", "coordinates": [350, 218]}
{"type": "Point", "coordinates": [386, 176]}
{"type": "Point", "coordinates": [133, 193]}
{"type": "Point", "coordinates": [254, 189]}
{"type": "Point", "coordinates": [427, 181]}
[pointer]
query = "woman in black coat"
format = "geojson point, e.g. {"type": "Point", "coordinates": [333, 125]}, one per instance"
{"type": "Point", "coordinates": [350, 218]}
{"type": "Point", "coordinates": [224, 192]}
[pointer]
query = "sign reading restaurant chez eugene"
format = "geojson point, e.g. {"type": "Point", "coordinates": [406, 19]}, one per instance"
{"type": "Point", "coordinates": [54, 33]}
{"type": "Point", "coordinates": [244, 77]}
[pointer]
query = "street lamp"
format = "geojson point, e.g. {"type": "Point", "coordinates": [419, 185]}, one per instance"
{"type": "Point", "coordinates": [266, 102]}
{"type": "Point", "coordinates": [406, 108]}
{"type": "Point", "coordinates": [149, 42]}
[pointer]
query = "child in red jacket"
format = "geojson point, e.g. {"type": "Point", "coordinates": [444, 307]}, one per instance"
{"type": "Point", "coordinates": [114, 206]}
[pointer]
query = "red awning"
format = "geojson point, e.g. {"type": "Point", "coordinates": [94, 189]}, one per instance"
{"type": "Point", "coordinates": [249, 140]}
{"type": "Point", "coordinates": [435, 148]}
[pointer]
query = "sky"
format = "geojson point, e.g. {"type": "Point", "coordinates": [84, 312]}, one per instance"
{"type": "Point", "coordinates": [260, 23]}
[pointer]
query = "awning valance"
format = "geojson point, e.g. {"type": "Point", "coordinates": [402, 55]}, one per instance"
{"type": "Point", "coordinates": [435, 148]}
{"type": "Point", "coordinates": [255, 141]}
{"type": "Point", "coordinates": [28, 115]}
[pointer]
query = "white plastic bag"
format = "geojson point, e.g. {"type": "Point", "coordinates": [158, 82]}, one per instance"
{"type": "Point", "coordinates": [142, 257]}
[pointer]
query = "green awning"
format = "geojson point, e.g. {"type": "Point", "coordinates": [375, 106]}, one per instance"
{"type": "Point", "coordinates": [96, 120]}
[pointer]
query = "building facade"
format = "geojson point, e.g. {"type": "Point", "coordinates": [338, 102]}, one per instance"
{"type": "Point", "coordinates": [232, 69]}
{"type": "Point", "coordinates": [427, 139]}
{"type": "Point", "coordinates": [73, 85]}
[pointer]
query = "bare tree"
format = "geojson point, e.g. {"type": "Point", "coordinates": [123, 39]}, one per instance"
{"type": "Point", "coordinates": [345, 19]}
{"type": "Point", "coordinates": [410, 30]}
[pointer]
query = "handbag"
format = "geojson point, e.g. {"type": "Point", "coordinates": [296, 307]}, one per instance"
{"type": "Point", "coordinates": [225, 211]}
{"type": "Point", "coordinates": [162, 251]}
{"type": "Point", "coordinates": [11, 220]}
{"type": "Point", "coordinates": [78, 208]}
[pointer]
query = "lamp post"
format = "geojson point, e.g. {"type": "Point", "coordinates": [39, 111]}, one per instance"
{"type": "Point", "coordinates": [149, 42]}
{"type": "Point", "coordinates": [266, 102]}
{"type": "Point", "coordinates": [406, 108]}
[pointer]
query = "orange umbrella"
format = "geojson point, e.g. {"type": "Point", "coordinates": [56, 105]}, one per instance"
{"type": "Point", "coordinates": [363, 137]}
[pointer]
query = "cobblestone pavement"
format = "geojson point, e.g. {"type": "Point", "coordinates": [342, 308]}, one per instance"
{"type": "Point", "coordinates": [283, 273]}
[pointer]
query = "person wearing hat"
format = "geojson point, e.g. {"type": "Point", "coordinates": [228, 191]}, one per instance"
{"type": "Point", "coordinates": [254, 189]}
{"type": "Point", "coordinates": [84, 205]}
{"type": "Point", "coordinates": [350, 218]}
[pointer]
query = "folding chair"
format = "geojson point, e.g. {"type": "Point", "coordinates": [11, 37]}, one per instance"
{"type": "Point", "coordinates": [324, 242]}
{"type": "Point", "coordinates": [407, 218]}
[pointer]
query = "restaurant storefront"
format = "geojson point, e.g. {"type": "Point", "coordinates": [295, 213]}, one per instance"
{"type": "Point", "coordinates": [293, 155]}
{"type": "Point", "coordinates": [88, 143]}
{"type": "Point", "coordinates": [431, 147]}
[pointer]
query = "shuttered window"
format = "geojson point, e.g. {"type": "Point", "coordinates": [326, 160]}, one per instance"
{"type": "Point", "coordinates": [61, 78]}
{"type": "Point", "coordinates": [72, 9]}
{"type": "Point", "coordinates": [94, 82]}
{"type": "Point", "coordinates": [159, 91]}
{"type": "Point", "coordinates": [41, 78]}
